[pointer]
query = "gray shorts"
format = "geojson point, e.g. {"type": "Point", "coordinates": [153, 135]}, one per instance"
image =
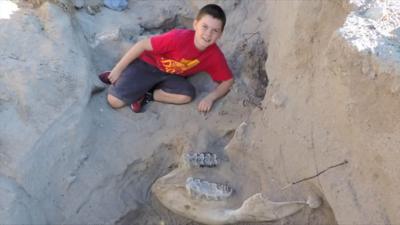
{"type": "Point", "coordinates": [140, 77]}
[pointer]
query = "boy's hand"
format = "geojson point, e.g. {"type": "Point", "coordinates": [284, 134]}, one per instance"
{"type": "Point", "coordinates": [205, 104]}
{"type": "Point", "coordinates": [114, 75]}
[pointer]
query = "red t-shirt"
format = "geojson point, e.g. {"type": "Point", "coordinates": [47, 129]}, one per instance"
{"type": "Point", "coordinates": [174, 52]}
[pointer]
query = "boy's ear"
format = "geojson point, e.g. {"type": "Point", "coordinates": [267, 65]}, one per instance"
{"type": "Point", "coordinates": [194, 24]}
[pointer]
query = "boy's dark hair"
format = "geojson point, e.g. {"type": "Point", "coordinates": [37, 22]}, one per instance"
{"type": "Point", "coordinates": [214, 11]}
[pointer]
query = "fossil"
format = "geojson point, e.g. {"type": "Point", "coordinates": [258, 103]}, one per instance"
{"type": "Point", "coordinates": [202, 159]}
{"type": "Point", "coordinates": [256, 208]}
{"type": "Point", "coordinates": [199, 188]}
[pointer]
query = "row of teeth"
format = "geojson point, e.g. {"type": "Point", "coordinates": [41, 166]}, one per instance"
{"type": "Point", "coordinates": [202, 159]}
{"type": "Point", "coordinates": [202, 189]}
{"type": "Point", "coordinates": [198, 189]}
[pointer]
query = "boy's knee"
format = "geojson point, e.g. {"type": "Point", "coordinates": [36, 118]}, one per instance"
{"type": "Point", "coordinates": [115, 102]}
{"type": "Point", "coordinates": [183, 99]}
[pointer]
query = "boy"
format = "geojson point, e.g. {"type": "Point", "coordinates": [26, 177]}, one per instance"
{"type": "Point", "coordinates": [162, 63]}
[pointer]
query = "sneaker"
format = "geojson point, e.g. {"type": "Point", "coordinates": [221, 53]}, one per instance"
{"type": "Point", "coordinates": [104, 77]}
{"type": "Point", "coordinates": [137, 106]}
{"type": "Point", "coordinates": [148, 97]}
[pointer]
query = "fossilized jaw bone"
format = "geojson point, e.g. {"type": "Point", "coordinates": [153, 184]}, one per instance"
{"type": "Point", "coordinates": [260, 208]}
{"type": "Point", "coordinates": [256, 208]}
{"type": "Point", "coordinates": [198, 188]}
{"type": "Point", "coordinates": [202, 159]}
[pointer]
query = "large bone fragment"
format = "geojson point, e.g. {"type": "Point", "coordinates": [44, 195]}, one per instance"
{"type": "Point", "coordinates": [172, 192]}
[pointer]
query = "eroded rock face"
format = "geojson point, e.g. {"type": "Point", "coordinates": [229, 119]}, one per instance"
{"type": "Point", "coordinates": [339, 104]}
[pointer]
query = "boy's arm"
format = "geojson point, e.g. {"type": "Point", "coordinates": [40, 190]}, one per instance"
{"type": "Point", "coordinates": [207, 102]}
{"type": "Point", "coordinates": [132, 54]}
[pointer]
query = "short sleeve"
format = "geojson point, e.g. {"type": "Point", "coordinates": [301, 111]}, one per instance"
{"type": "Point", "coordinates": [219, 69]}
{"type": "Point", "coordinates": [164, 42]}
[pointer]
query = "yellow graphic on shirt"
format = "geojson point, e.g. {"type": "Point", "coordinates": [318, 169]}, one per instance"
{"type": "Point", "coordinates": [178, 67]}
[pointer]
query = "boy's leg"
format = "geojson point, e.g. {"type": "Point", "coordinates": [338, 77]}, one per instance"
{"type": "Point", "coordinates": [115, 102]}
{"type": "Point", "coordinates": [134, 82]}
{"type": "Point", "coordinates": [162, 96]}
{"type": "Point", "coordinates": [174, 89]}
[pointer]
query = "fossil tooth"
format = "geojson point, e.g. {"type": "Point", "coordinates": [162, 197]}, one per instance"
{"type": "Point", "coordinates": [202, 159]}
{"type": "Point", "coordinates": [198, 188]}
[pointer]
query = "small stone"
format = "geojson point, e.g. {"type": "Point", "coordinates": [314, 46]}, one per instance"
{"type": "Point", "coordinates": [278, 99]}
{"type": "Point", "coordinates": [314, 201]}
{"type": "Point", "coordinates": [395, 88]}
{"type": "Point", "coordinates": [78, 3]}
{"type": "Point", "coordinates": [70, 179]}
{"type": "Point", "coordinates": [93, 9]}
{"type": "Point", "coordinates": [375, 13]}
{"type": "Point", "coordinates": [366, 68]}
{"type": "Point", "coordinates": [118, 5]}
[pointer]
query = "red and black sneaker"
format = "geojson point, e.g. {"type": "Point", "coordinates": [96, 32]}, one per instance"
{"type": "Point", "coordinates": [104, 77]}
{"type": "Point", "coordinates": [137, 105]}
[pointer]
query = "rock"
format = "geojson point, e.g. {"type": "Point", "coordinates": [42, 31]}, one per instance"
{"type": "Point", "coordinates": [78, 3]}
{"type": "Point", "coordinates": [118, 5]}
{"type": "Point", "coordinates": [375, 12]}
{"type": "Point", "coordinates": [278, 99]}
{"type": "Point", "coordinates": [93, 9]}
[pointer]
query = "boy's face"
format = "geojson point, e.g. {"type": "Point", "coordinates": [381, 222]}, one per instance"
{"type": "Point", "coordinates": [207, 31]}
